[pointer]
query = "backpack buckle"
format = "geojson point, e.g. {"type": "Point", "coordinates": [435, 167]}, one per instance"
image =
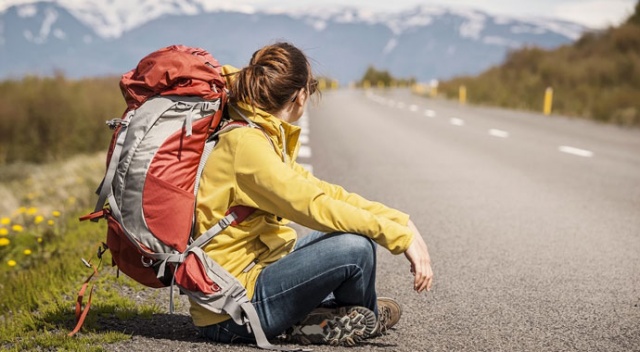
{"type": "Point", "coordinates": [148, 263]}
{"type": "Point", "coordinates": [114, 123]}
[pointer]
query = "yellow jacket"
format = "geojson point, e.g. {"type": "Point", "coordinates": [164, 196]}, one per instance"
{"type": "Point", "coordinates": [246, 169]}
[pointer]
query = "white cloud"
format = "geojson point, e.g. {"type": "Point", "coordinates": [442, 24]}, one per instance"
{"type": "Point", "coordinates": [595, 13]}
{"type": "Point", "coordinates": [27, 11]}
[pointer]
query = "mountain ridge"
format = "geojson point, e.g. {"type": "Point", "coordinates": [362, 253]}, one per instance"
{"type": "Point", "coordinates": [424, 41]}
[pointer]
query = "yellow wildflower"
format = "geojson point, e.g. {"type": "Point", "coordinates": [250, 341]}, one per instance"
{"type": "Point", "coordinates": [17, 228]}
{"type": "Point", "coordinates": [56, 213]}
{"type": "Point", "coordinates": [51, 222]}
{"type": "Point", "coordinates": [27, 252]}
{"type": "Point", "coordinates": [22, 210]}
{"type": "Point", "coordinates": [38, 219]}
{"type": "Point", "coordinates": [4, 242]}
{"type": "Point", "coordinates": [12, 263]}
{"type": "Point", "coordinates": [39, 240]}
{"type": "Point", "coordinates": [32, 211]}
{"type": "Point", "coordinates": [5, 221]}
{"type": "Point", "coordinates": [3, 231]}
{"type": "Point", "coordinates": [71, 200]}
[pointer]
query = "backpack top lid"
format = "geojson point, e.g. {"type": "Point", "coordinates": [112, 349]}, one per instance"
{"type": "Point", "coordinates": [174, 70]}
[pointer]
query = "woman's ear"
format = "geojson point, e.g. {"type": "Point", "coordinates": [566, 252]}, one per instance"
{"type": "Point", "coordinates": [302, 97]}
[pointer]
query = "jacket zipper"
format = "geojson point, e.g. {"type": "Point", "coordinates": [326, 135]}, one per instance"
{"type": "Point", "coordinates": [250, 266]}
{"type": "Point", "coordinates": [284, 145]}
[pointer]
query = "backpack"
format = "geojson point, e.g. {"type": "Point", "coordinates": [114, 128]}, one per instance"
{"type": "Point", "coordinates": [175, 101]}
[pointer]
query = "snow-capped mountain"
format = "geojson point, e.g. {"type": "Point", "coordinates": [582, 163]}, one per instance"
{"type": "Point", "coordinates": [100, 37]}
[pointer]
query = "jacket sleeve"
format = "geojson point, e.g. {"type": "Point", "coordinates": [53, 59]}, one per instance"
{"type": "Point", "coordinates": [266, 183]}
{"type": "Point", "coordinates": [354, 199]}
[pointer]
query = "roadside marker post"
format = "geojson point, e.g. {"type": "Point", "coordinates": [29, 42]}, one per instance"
{"type": "Point", "coordinates": [548, 101]}
{"type": "Point", "coordinates": [462, 94]}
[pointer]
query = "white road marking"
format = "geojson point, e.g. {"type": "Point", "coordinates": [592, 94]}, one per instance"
{"type": "Point", "coordinates": [304, 152]}
{"type": "Point", "coordinates": [575, 151]}
{"type": "Point", "coordinates": [498, 133]}
{"type": "Point", "coordinates": [308, 167]}
{"type": "Point", "coordinates": [304, 138]}
{"type": "Point", "coordinates": [413, 107]}
{"type": "Point", "coordinates": [456, 121]}
{"type": "Point", "coordinates": [304, 124]}
{"type": "Point", "coordinates": [430, 113]}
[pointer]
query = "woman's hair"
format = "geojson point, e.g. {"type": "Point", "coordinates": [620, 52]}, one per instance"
{"type": "Point", "coordinates": [272, 78]}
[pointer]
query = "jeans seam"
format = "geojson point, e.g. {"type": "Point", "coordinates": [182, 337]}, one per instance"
{"type": "Point", "coordinates": [267, 299]}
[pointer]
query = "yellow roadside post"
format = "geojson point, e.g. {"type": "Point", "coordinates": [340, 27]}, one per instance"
{"type": "Point", "coordinates": [322, 84]}
{"type": "Point", "coordinates": [462, 93]}
{"type": "Point", "coordinates": [366, 84]}
{"type": "Point", "coordinates": [334, 84]}
{"type": "Point", "coordinates": [548, 101]}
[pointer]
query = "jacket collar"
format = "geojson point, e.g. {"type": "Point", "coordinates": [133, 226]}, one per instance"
{"type": "Point", "coordinates": [283, 134]}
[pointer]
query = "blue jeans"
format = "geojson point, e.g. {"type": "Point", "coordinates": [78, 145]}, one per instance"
{"type": "Point", "coordinates": [341, 266]}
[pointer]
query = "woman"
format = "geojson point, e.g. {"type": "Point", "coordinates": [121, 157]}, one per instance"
{"type": "Point", "coordinates": [322, 288]}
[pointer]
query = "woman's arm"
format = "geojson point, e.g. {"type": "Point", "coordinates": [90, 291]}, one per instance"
{"type": "Point", "coordinates": [354, 199]}
{"type": "Point", "coordinates": [266, 183]}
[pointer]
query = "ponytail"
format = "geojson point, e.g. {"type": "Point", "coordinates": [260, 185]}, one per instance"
{"type": "Point", "coordinates": [274, 75]}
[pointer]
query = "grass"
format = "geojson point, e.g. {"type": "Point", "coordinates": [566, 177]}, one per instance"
{"type": "Point", "coordinates": [39, 290]}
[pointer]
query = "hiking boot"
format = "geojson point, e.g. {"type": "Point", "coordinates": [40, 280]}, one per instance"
{"type": "Point", "coordinates": [389, 312]}
{"type": "Point", "coordinates": [342, 326]}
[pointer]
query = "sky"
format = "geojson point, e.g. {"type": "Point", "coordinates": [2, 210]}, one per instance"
{"type": "Point", "coordinates": [591, 13]}
{"type": "Point", "coordinates": [595, 14]}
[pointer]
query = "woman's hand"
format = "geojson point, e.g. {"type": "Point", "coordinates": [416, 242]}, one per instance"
{"type": "Point", "coordinates": [418, 256]}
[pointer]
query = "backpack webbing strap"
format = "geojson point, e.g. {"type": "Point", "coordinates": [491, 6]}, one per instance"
{"type": "Point", "coordinates": [252, 124]}
{"type": "Point", "coordinates": [256, 328]}
{"type": "Point", "coordinates": [105, 186]}
{"type": "Point", "coordinates": [217, 228]}
{"type": "Point", "coordinates": [234, 216]}
{"type": "Point", "coordinates": [238, 306]}
{"type": "Point", "coordinates": [206, 151]}
{"type": "Point", "coordinates": [81, 313]}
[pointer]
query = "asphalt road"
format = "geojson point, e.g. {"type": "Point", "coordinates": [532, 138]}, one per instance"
{"type": "Point", "coordinates": [533, 222]}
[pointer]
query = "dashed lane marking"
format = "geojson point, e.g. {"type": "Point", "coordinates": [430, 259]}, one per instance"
{"type": "Point", "coordinates": [304, 152]}
{"type": "Point", "coordinates": [456, 121]}
{"type": "Point", "coordinates": [575, 151]}
{"type": "Point", "coordinates": [498, 133]}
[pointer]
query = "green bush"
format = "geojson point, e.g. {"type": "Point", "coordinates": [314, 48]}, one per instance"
{"type": "Point", "coordinates": [598, 77]}
{"type": "Point", "coordinates": [49, 119]}
{"type": "Point", "coordinates": [375, 77]}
